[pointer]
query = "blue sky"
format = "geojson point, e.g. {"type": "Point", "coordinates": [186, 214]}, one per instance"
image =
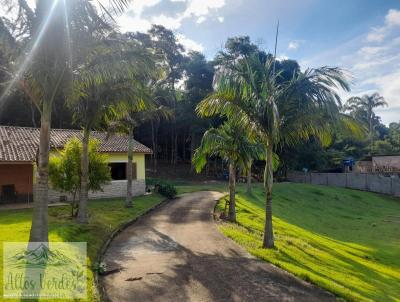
{"type": "Point", "coordinates": [362, 36]}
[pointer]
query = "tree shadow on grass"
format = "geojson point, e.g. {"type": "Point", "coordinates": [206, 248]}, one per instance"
{"type": "Point", "coordinates": [375, 284]}
{"type": "Point", "coordinates": [192, 276]}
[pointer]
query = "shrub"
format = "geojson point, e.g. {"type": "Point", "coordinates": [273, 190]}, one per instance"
{"type": "Point", "coordinates": [65, 169]}
{"type": "Point", "coordinates": [166, 190]}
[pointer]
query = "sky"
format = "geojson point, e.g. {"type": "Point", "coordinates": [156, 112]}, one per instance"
{"type": "Point", "coordinates": [361, 36]}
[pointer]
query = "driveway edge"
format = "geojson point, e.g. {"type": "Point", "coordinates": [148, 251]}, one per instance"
{"type": "Point", "coordinates": [98, 286]}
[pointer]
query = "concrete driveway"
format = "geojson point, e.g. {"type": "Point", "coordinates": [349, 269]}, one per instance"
{"type": "Point", "coordinates": [176, 253]}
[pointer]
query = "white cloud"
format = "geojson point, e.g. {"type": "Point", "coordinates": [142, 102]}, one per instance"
{"type": "Point", "coordinates": [374, 63]}
{"type": "Point", "coordinates": [189, 44]}
{"type": "Point", "coordinates": [378, 34]}
{"type": "Point", "coordinates": [282, 57]}
{"type": "Point", "coordinates": [370, 50]}
{"type": "Point", "coordinates": [201, 20]}
{"type": "Point", "coordinates": [202, 7]}
{"type": "Point", "coordinates": [127, 23]}
{"type": "Point", "coordinates": [31, 3]}
{"type": "Point", "coordinates": [393, 17]}
{"type": "Point", "coordinates": [168, 22]}
{"type": "Point", "coordinates": [138, 6]}
{"type": "Point", "coordinates": [198, 10]}
{"type": "Point", "coordinates": [389, 86]}
{"type": "Point", "coordinates": [293, 45]}
{"type": "Point", "coordinates": [376, 68]}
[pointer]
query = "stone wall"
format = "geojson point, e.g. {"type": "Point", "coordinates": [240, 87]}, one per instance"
{"type": "Point", "coordinates": [116, 188]}
{"type": "Point", "coordinates": [365, 182]}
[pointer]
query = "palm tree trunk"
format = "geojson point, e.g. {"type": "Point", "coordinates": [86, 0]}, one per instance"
{"type": "Point", "coordinates": [232, 188]}
{"type": "Point", "coordinates": [84, 192]}
{"type": "Point", "coordinates": [268, 241]}
{"type": "Point", "coordinates": [39, 228]}
{"type": "Point", "coordinates": [370, 134]}
{"type": "Point", "coordinates": [248, 189]}
{"type": "Point", "coordinates": [128, 201]}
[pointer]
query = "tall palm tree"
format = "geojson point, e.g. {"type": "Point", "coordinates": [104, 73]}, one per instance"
{"type": "Point", "coordinates": [234, 144]}
{"type": "Point", "coordinates": [129, 114]}
{"type": "Point", "coordinates": [366, 104]}
{"type": "Point", "coordinates": [40, 38]}
{"type": "Point", "coordinates": [107, 75]}
{"type": "Point", "coordinates": [281, 114]}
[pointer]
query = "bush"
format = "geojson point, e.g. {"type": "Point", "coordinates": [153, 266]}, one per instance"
{"type": "Point", "coordinates": [166, 190]}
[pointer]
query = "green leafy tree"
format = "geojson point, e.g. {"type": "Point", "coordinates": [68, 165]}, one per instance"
{"type": "Point", "coordinates": [394, 136]}
{"type": "Point", "coordinates": [65, 169]}
{"type": "Point", "coordinates": [281, 114]}
{"type": "Point", "coordinates": [232, 142]}
{"type": "Point", "coordinates": [165, 42]}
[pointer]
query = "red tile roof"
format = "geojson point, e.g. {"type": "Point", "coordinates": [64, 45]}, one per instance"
{"type": "Point", "coordinates": [21, 143]}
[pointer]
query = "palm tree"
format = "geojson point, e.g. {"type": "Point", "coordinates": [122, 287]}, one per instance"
{"type": "Point", "coordinates": [366, 104]}
{"type": "Point", "coordinates": [281, 114]}
{"type": "Point", "coordinates": [129, 114]}
{"type": "Point", "coordinates": [39, 40]}
{"type": "Point", "coordinates": [234, 144]}
{"type": "Point", "coordinates": [108, 74]}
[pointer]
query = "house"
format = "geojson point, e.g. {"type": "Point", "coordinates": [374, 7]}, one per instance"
{"type": "Point", "coordinates": [379, 164]}
{"type": "Point", "coordinates": [19, 150]}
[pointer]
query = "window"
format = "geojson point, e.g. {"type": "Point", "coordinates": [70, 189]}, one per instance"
{"type": "Point", "coordinates": [8, 193]}
{"type": "Point", "coordinates": [118, 171]}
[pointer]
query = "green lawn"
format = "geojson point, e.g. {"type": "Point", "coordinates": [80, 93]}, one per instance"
{"type": "Point", "coordinates": [345, 241]}
{"type": "Point", "coordinates": [105, 216]}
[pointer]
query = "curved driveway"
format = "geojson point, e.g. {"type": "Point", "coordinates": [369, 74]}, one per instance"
{"type": "Point", "coordinates": [177, 254]}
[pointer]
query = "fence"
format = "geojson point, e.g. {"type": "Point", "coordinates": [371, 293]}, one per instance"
{"type": "Point", "coordinates": [365, 182]}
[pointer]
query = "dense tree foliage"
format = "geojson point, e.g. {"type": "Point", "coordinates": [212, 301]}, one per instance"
{"type": "Point", "coordinates": [188, 78]}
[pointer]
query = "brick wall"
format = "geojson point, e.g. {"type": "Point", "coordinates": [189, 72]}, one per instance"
{"type": "Point", "coordinates": [19, 175]}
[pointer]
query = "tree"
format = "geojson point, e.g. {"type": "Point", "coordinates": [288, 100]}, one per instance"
{"type": "Point", "coordinates": [232, 142]}
{"type": "Point", "coordinates": [42, 38]}
{"type": "Point", "coordinates": [130, 113]}
{"type": "Point", "coordinates": [65, 169]}
{"type": "Point", "coordinates": [166, 43]}
{"type": "Point", "coordinates": [281, 114]}
{"type": "Point", "coordinates": [106, 76]}
{"type": "Point", "coordinates": [394, 135]}
{"type": "Point", "coordinates": [363, 108]}
{"type": "Point", "coordinates": [199, 77]}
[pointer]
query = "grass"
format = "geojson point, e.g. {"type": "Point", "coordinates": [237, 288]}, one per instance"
{"type": "Point", "coordinates": [184, 186]}
{"type": "Point", "coordinates": [106, 215]}
{"type": "Point", "coordinates": [345, 241]}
